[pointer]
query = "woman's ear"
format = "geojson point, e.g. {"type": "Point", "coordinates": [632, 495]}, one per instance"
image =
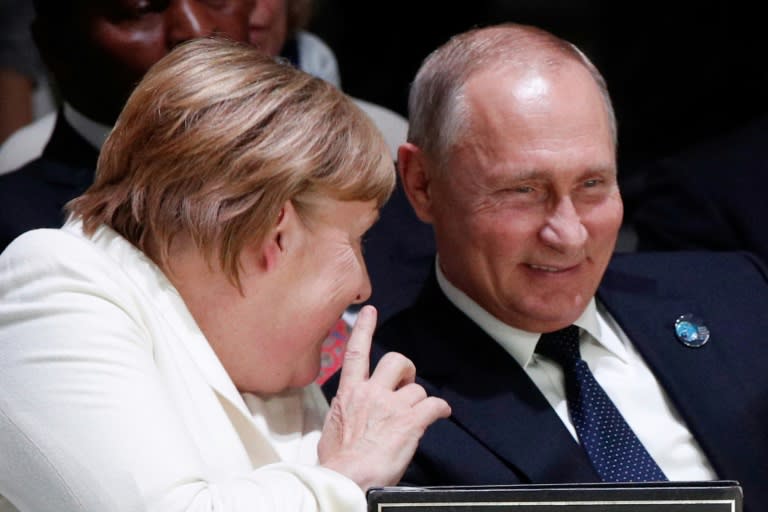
{"type": "Point", "coordinates": [283, 232]}
{"type": "Point", "coordinates": [415, 179]}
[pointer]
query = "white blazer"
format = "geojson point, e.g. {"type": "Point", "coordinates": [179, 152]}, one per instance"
{"type": "Point", "coordinates": [112, 399]}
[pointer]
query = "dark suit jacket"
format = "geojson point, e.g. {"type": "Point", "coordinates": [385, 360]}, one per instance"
{"type": "Point", "coordinates": [399, 252]}
{"type": "Point", "coordinates": [503, 430]}
{"type": "Point", "coordinates": [712, 196]}
{"type": "Point", "coordinates": [34, 196]}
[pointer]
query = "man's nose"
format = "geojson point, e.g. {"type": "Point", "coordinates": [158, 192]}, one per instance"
{"type": "Point", "coordinates": [188, 19]}
{"type": "Point", "coordinates": [563, 230]}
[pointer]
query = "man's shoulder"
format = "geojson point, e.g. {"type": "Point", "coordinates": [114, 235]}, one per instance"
{"type": "Point", "coordinates": [45, 176]}
{"type": "Point", "coordinates": [708, 275]}
{"type": "Point", "coordinates": [742, 149]}
{"type": "Point", "coordinates": [30, 174]}
{"type": "Point", "coordinates": [400, 327]}
{"type": "Point", "coordinates": [34, 196]}
{"type": "Point", "coordinates": [687, 262]}
{"type": "Point", "coordinates": [431, 321]}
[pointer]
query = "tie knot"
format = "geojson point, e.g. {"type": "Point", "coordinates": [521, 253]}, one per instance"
{"type": "Point", "coordinates": [561, 346]}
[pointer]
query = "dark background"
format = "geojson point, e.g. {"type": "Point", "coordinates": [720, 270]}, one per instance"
{"type": "Point", "coordinates": [678, 72]}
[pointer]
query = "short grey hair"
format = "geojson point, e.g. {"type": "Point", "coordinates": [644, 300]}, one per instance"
{"type": "Point", "coordinates": [437, 110]}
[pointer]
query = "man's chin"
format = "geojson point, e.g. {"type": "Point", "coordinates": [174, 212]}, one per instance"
{"type": "Point", "coordinates": [546, 317]}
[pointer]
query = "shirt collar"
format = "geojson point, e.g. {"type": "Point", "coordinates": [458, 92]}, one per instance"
{"type": "Point", "coordinates": [93, 132]}
{"type": "Point", "coordinates": [518, 343]}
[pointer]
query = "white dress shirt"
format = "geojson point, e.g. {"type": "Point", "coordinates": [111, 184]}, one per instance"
{"type": "Point", "coordinates": [618, 368]}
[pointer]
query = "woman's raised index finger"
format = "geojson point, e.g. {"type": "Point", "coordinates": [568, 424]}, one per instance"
{"type": "Point", "coordinates": [357, 357]}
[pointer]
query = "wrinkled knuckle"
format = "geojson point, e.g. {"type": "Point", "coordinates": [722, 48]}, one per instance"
{"type": "Point", "coordinates": [396, 359]}
{"type": "Point", "coordinates": [390, 358]}
{"type": "Point", "coordinates": [353, 354]}
{"type": "Point", "coordinates": [415, 393]}
{"type": "Point", "coordinates": [335, 413]}
{"type": "Point", "coordinates": [355, 398]}
{"type": "Point", "coordinates": [439, 407]}
{"type": "Point", "coordinates": [419, 390]}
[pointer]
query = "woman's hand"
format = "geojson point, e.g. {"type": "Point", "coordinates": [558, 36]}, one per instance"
{"type": "Point", "coordinates": [376, 421]}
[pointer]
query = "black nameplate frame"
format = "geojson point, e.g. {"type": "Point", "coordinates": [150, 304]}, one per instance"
{"type": "Point", "coordinates": [718, 496]}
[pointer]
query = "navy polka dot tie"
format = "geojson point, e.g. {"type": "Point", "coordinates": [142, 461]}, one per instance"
{"type": "Point", "coordinates": [613, 448]}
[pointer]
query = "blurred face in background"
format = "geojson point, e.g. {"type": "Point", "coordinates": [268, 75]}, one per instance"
{"type": "Point", "coordinates": [98, 61]}
{"type": "Point", "coordinates": [268, 25]}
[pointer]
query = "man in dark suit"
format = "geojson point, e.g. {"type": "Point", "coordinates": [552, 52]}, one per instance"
{"type": "Point", "coordinates": [512, 161]}
{"type": "Point", "coordinates": [97, 51]}
{"type": "Point", "coordinates": [710, 196]}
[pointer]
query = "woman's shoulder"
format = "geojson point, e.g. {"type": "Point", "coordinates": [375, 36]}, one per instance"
{"type": "Point", "coordinates": [44, 248]}
{"type": "Point", "coordinates": [43, 262]}
{"type": "Point", "coordinates": [47, 251]}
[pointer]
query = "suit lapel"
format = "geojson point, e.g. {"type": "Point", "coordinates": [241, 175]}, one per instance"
{"type": "Point", "coordinates": [488, 389]}
{"type": "Point", "coordinates": [702, 383]}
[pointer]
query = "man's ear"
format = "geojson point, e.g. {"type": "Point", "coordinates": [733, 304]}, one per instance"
{"type": "Point", "coordinates": [415, 178]}
{"type": "Point", "coordinates": [274, 247]}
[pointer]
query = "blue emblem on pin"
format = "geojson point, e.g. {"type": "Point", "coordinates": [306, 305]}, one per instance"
{"type": "Point", "coordinates": [691, 331]}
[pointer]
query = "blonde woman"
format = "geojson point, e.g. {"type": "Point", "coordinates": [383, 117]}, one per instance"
{"type": "Point", "coordinates": [158, 351]}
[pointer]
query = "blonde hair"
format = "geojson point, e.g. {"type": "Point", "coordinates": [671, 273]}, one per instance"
{"type": "Point", "coordinates": [437, 110]}
{"type": "Point", "coordinates": [213, 142]}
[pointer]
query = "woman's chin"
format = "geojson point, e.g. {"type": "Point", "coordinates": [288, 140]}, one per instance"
{"type": "Point", "coordinates": [306, 376]}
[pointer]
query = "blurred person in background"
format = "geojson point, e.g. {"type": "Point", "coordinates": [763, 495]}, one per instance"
{"type": "Point", "coordinates": [25, 94]}
{"type": "Point", "coordinates": [97, 51]}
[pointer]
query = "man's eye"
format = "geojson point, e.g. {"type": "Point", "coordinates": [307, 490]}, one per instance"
{"type": "Point", "coordinates": [138, 8]}
{"type": "Point", "coordinates": [525, 189]}
{"type": "Point", "coordinates": [593, 183]}
{"type": "Point", "coordinates": [218, 4]}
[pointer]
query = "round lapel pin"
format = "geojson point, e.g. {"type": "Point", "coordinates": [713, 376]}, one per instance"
{"type": "Point", "coordinates": [691, 331]}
